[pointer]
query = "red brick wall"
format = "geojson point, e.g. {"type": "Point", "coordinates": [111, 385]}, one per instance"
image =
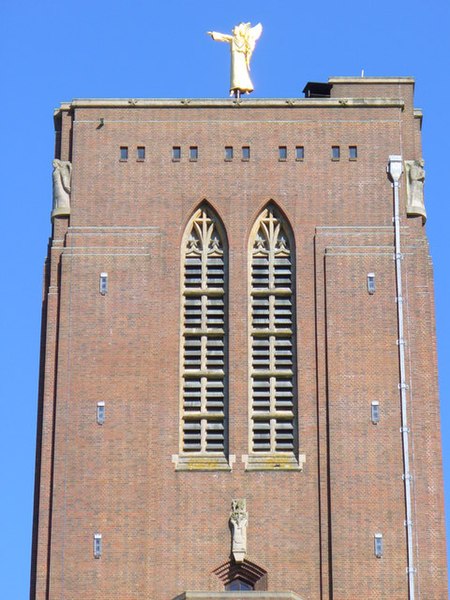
{"type": "Point", "coordinates": [165, 531]}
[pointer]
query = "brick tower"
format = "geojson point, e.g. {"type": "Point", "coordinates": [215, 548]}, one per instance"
{"type": "Point", "coordinates": [239, 381]}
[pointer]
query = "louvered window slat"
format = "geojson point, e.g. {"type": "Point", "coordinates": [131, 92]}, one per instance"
{"type": "Point", "coordinates": [204, 387]}
{"type": "Point", "coordinates": [272, 339]}
{"type": "Point", "coordinates": [193, 272]}
{"type": "Point", "coordinates": [215, 315]}
{"type": "Point", "coordinates": [261, 436]}
{"type": "Point", "coordinates": [192, 353]}
{"type": "Point", "coordinates": [192, 436]}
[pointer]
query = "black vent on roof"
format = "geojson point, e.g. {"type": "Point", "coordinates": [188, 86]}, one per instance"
{"type": "Point", "coordinates": [314, 89]}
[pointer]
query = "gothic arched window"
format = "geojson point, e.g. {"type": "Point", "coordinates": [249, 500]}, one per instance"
{"type": "Point", "coordinates": [273, 381]}
{"type": "Point", "coordinates": [204, 386]}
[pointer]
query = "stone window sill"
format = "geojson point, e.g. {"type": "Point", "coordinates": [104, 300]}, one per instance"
{"type": "Point", "coordinates": [273, 462]}
{"type": "Point", "coordinates": [202, 462]}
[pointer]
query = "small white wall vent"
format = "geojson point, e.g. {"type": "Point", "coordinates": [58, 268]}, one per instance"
{"type": "Point", "coordinates": [100, 413]}
{"type": "Point", "coordinates": [97, 545]}
{"type": "Point", "coordinates": [378, 545]}
{"type": "Point", "coordinates": [371, 283]}
{"type": "Point", "coordinates": [103, 283]}
{"type": "Point", "coordinates": [375, 412]}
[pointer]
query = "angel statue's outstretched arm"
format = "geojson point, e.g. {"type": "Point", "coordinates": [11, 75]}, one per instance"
{"type": "Point", "coordinates": [220, 37]}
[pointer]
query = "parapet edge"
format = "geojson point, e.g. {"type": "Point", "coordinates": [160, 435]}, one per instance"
{"type": "Point", "coordinates": [229, 103]}
{"type": "Point", "coordinates": [381, 80]}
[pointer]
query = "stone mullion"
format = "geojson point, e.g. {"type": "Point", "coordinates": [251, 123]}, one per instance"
{"type": "Point", "coordinates": [271, 259]}
{"type": "Point", "coordinates": [273, 379]}
{"type": "Point", "coordinates": [204, 300]}
{"type": "Point", "coordinates": [204, 329]}
{"type": "Point", "coordinates": [203, 431]}
{"type": "Point", "coordinates": [203, 367]}
{"type": "Point", "coordinates": [272, 328]}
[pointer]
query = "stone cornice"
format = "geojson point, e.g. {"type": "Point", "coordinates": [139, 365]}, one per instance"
{"type": "Point", "coordinates": [230, 103]}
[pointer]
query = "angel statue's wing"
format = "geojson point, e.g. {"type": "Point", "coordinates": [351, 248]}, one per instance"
{"type": "Point", "coordinates": [254, 33]}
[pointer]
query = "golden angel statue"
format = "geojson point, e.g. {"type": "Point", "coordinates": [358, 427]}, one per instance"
{"type": "Point", "coordinates": [242, 43]}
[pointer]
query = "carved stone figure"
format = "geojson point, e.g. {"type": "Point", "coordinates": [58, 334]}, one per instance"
{"type": "Point", "coordinates": [415, 178]}
{"type": "Point", "coordinates": [62, 174]}
{"type": "Point", "coordinates": [242, 43]}
{"type": "Point", "coordinates": [239, 521]}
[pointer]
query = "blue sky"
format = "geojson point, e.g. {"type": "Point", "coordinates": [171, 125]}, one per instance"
{"type": "Point", "coordinates": [53, 51]}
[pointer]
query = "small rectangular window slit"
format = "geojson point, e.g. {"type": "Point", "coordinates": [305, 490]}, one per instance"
{"type": "Point", "coordinates": [176, 153]}
{"type": "Point", "coordinates": [282, 153]}
{"type": "Point", "coordinates": [375, 412]}
{"type": "Point", "coordinates": [228, 152]}
{"type": "Point", "coordinates": [245, 152]}
{"type": "Point", "coordinates": [103, 284]}
{"type": "Point", "coordinates": [140, 153]}
{"type": "Point", "coordinates": [378, 545]}
{"type": "Point", "coordinates": [193, 153]}
{"type": "Point", "coordinates": [123, 153]}
{"type": "Point", "coordinates": [352, 152]}
{"type": "Point", "coordinates": [299, 153]}
{"type": "Point", "coordinates": [371, 283]}
{"type": "Point", "coordinates": [335, 152]}
{"type": "Point", "coordinates": [100, 413]}
{"type": "Point", "coordinates": [97, 545]}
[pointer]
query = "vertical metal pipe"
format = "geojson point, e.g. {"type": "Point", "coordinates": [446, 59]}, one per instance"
{"type": "Point", "coordinates": [395, 169]}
